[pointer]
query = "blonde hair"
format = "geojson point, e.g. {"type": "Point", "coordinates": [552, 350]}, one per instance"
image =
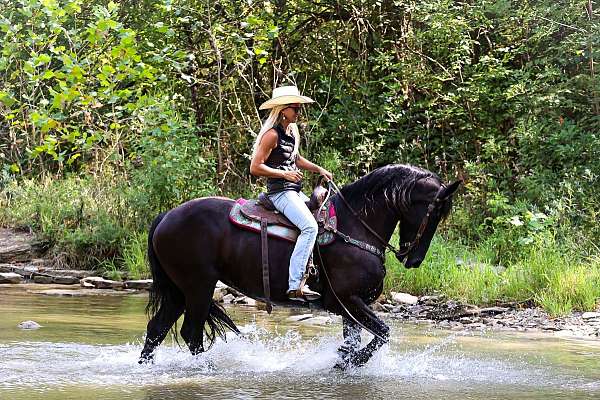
{"type": "Point", "coordinates": [273, 119]}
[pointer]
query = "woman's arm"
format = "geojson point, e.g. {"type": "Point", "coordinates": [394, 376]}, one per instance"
{"type": "Point", "coordinates": [303, 163]}
{"type": "Point", "coordinates": [257, 166]}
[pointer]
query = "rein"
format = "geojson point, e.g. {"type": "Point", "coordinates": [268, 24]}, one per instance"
{"type": "Point", "coordinates": [368, 247]}
{"type": "Point", "coordinates": [408, 245]}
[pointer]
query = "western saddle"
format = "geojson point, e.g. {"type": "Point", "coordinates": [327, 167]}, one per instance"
{"type": "Point", "coordinates": [263, 211]}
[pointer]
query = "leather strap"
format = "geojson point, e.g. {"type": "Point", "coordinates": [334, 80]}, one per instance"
{"type": "Point", "coordinates": [365, 246]}
{"type": "Point", "coordinates": [381, 240]}
{"type": "Point", "coordinates": [265, 264]}
{"type": "Point", "coordinates": [359, 243]}
{"type": "Point", "coordinates": [408, 246]}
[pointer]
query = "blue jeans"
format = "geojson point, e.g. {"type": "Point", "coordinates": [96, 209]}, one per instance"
{"type": "Point", "coordinates": [291, 204]}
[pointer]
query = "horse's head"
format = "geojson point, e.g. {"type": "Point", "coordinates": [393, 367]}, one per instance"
{"type": "Point", "coordinates": [430, 202]}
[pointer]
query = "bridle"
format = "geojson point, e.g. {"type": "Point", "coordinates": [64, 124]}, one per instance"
{"type": "Point", "coordinates": [400, 255]}
{"type": "Point", "coordinates": [408, 246]}
{"type": "Point", "coordinates": [424, 222]}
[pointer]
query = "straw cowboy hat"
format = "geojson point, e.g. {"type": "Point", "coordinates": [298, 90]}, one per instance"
{"type": "Point", "coordinates": [285, 95]}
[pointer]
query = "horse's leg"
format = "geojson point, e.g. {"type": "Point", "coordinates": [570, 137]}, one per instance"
{"type": "Point", "coordinates": [197, 307]}
{"type": "Point", "coordinates": [361, 311]}
{"type": "Point", "coordinates": [159, 326]}
{"type": "Point", "coordinates": [351, 342]}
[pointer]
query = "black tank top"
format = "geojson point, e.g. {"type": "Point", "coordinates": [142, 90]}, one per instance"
{"type": "Point", "coordinates": [281, 158]}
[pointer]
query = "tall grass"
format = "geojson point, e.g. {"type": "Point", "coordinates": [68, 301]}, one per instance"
{"type": "Point", "coordinates": [84, 220]}
{"type": "Point", "coordinates": [547, 274]}
{"type": "Point", "coordinates": [135, 260]}
{"type": "Point", "coordinates": [89, 223]}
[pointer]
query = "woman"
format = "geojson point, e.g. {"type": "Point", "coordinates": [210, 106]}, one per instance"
{"type": "Point", "coordinates": [275, 156]}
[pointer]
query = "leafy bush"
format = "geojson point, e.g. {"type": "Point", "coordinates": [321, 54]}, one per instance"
{"type": "Point", "coordinates": [71, 87]}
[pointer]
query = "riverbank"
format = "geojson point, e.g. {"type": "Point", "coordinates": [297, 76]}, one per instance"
{"type": "Point", "coordinates": [454, 315]}
{"type": "Point", "coordinates": [434, 311]}
{"type": "Point", "coordinates": [22, 265]}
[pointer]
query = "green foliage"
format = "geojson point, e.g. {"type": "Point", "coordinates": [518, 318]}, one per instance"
{"type": "Point", "coordinates": [91, 222]}
{"type": "Point", "coordinates": [171, 166]}
{"type": "Point", "coordinates": [69, 86]}
{"type": "Point", "coordinates": [81, 217]}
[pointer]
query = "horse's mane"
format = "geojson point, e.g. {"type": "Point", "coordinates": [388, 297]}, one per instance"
{"type": "Point", "coordinates": [395, 182]}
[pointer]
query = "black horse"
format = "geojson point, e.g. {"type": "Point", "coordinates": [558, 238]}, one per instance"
{"type": "Point", "coordinates": [194, 245]}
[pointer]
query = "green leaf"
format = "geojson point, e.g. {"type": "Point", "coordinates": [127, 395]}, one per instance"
{"type": "Point", "coordinates": [42, 59]}
{"type": "Point", "coordinates": [254, 21]}
{"type": "Point", "coordinates": [35, 117]}
{"type": "Point", "coordinates": [112, 6]}
{"type": "Point", "coordinates": [107, 70]}
{"type": "Point", "coordinates": [72, 159]}
{"type": "Point", "coordinates": [77, 72]}
{"type": "Point", "coordinates": [6, 99]}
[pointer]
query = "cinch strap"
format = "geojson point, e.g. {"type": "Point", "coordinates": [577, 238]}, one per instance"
{"type": "Point", "coordinates": [265, 264]}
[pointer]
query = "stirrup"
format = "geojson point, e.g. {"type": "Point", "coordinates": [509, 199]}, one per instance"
{"type": "Point", "coordinates": [303, 294]}
{"type": "Point", "coordinates": [296, 295]}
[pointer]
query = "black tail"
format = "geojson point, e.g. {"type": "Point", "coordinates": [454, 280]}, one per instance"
{"type": "Point", "coordinates": [217, 323]}
{"type": "Point", "coordinates": [163, 291]}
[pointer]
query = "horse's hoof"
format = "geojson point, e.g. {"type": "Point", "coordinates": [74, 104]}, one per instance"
{"type": "Point", "coordinates": [341, 365]}
{"type": "Point", "coordinates": [149, 359]}
{"type": "Point", "coordinates": [357, 361]}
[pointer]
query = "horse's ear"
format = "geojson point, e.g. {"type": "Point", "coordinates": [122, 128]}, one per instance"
{"type": "Point", "coordinates": [449, 190]}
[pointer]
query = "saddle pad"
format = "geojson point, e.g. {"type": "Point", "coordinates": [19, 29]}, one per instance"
{"type": "Point", "coordinates": [237, 218]}
{"type": "Point", "coordinates": [252, 210]}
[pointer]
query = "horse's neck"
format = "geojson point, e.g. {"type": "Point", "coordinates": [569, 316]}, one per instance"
{"type": "Point", "coordinates": [379, 217]}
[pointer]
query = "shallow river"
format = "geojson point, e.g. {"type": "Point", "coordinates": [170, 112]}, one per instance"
{"type": "Point", "coordinates": [88, 348]}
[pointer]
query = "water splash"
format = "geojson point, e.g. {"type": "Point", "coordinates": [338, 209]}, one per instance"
{"type": "Point", "coordinates": [259, 354]}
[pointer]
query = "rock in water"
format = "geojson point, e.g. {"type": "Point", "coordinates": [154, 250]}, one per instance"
{"type": "Point", "coordinates": [65, 280]}
{"type": "Point", "coordinates": [404, 298]}
{"type": "Point", "coordinates": [140, 284]}
{"type": "Point", "coordinates": [10, 277]}
{"type": "Point", "coordinates": [29, 325]}
{"type": "Point", "coordinates": [42, 279]}
{"type": "Point", "coordinates": [228, 299]}
{"type": "Point", "coordinates": [250, 302]}
{"type": "Point", "coordinates": [590, 315]}
{"type": "Point", "coordinates": [100, 283]}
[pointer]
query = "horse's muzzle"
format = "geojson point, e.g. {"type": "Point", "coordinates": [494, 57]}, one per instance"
{"type": "Point", "coordinates": [412, 262]}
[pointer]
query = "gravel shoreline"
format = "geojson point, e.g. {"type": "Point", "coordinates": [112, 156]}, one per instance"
{"type": "Point", "coordinates": [454, 315]}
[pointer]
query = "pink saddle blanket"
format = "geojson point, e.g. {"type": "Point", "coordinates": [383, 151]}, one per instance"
{"type": "Point", "coordinates": [325, 237]}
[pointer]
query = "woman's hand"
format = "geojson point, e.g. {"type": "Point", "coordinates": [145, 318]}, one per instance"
{"type": "Point", "coordinates": [328, 175]}
{"type": "Point", "coordinates": [292, 176]}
